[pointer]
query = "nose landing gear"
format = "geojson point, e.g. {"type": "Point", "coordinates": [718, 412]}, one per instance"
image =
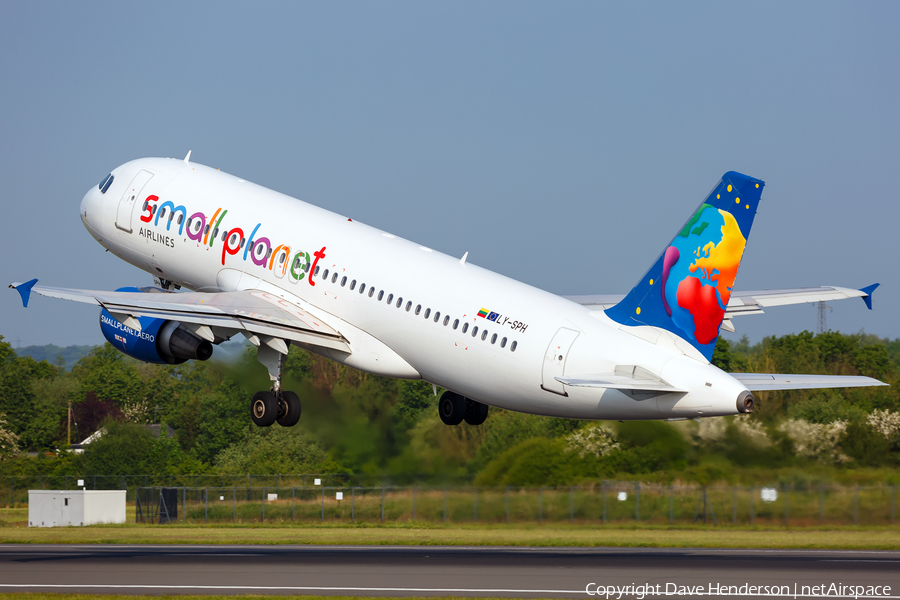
{"type": "Point", "coordinates": [278, 405]}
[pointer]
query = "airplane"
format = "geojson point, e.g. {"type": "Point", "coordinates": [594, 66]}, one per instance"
{"type": "Point", "coordinates": [280, 271]}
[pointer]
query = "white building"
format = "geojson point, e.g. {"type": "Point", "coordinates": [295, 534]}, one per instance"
{"type": "Point", "coordinates": [60, 508]}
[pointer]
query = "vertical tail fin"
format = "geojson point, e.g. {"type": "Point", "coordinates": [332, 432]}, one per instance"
{"type": "Point", "coordinates": [687, 289]}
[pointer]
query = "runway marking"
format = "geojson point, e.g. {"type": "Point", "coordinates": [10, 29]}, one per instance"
{"type": "Point", "coordinates": [386, 589]}
{"type": "Point", "coordinates": [855, 560]}
{"type": "Point", "coordinates": [299, 588]}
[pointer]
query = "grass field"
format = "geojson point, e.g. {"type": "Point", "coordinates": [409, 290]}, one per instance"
{"type": "Point", "coordinates": [885, 538]}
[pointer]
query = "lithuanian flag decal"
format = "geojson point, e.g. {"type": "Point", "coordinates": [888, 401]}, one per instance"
{"type": "Point", "coordinates": [483, 312]}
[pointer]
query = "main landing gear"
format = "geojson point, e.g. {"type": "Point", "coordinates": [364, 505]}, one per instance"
{"type": "Point", "coordinates": [278, 405]}
{"type": "Point", "coordinates": [454, 409]}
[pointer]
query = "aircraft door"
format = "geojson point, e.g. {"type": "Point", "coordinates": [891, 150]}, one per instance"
{"type": "Point", "coordinates": [555, 360]}
{"type": "Point", "coordinates": [130, 198]}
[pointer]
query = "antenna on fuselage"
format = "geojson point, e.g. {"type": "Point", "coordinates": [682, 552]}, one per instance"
{"type": "Point", "coordinates": [462, 261]}
{"type": "Point", "coordinates": [187, 159]}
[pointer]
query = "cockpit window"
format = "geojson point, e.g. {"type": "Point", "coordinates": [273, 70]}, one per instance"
{"type": "Point", "coordinates": [107, 181]}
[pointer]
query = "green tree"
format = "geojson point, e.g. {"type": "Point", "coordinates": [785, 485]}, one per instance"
{"type": "Point", "coordinates": [275, 450]}
{"type": "Point", "coordinates": [9, 441]}
{"type": "Point", "coordinates": [110, 375]}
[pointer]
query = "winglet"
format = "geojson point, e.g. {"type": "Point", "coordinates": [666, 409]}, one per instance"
{"type": "Point", "coordinates": [868, 294]}
{"type": "Point", "coordinates": [24, 290]}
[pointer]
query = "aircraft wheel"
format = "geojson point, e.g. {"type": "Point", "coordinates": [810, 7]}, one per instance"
{"type": "Point", "coordinates": [264, 408]}
{"type": "Point", "coordinates": [452, 408]}
{"type": "Point", "coordinates": [476, 412]}
{"type": "Point", "coordinates": [288, 409]}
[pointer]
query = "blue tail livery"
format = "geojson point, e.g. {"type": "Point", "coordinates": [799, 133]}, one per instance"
{"type": "Point", "coordinates": [687, 289]}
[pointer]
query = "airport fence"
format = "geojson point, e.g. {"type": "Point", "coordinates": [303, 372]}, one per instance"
{"type": "Point", "coordinates": [14, 489]}
{"type": "Point", "coordinates": [613, 502]}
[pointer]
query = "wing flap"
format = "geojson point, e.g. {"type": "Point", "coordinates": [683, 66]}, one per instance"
{"type": "Point", "coordinates": [760, 382]}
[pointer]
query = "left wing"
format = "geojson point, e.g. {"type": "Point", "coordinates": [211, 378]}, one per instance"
{"type": "Point", "coordinates": [753, 302]}
{"type": "Point", "coordinates": [211, 316]}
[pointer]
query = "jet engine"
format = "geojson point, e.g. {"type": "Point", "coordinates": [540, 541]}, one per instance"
{"type": "Point", "coordinates": [158, 341]}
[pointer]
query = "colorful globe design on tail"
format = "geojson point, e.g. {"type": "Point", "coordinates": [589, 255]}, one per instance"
{"type": "Point", "coordinates": [699, 268]}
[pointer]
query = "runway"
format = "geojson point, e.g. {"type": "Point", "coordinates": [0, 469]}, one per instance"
{"type": "Point", "coordinates": [435, 571]}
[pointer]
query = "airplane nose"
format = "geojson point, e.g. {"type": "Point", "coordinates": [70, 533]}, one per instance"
{"type": "Point", "coordinates": [90, 208]}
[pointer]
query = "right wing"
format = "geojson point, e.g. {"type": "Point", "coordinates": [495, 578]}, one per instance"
{"type": "Point", "coordinates": [753, 302]}
{"type": "Point", "coordinates": [761, 382]}
{"type": "Point", "coordinates": [212, 316]}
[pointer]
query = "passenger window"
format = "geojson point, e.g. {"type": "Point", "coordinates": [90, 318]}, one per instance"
{"type": "Point", "coordinates": [343, 281]}
{"type": "Point", "coordinates": [446, 320]}
{"type": "Point", "coordinates": [455, 323]}
{"type": "Point", "coordinates": [269, 254]}
{"type": "Point", "coordinates": [283, 256]}
{"type": "Point", "coordinates": [465, 327]}
{"type": "Point", "coordinates": [484, 335]}
{"type": "Point", "coordinates": [371, 291]}
{"type": "Point", "coordinates": [399, 302]}
{"type": "Point", "coordinates": [334, 277]}
{"type": "Point", "coordinates": [224, 234]}
{"type": "Point", "coordinates": [172, 215]}
{"type": "Point", "coordinates": [380, 295]}
{"type": "Point", "coordinates": [316, 271]}
{"type": "Point", "coordinates": [215, 231]}
{"type": "Point", "coordinates": [503, 343]}
{"type": "Point", "coordinates": [325, 275]}
{"type": "Point", "coordinates": [352, 285]}
{"type": "Point", "coordinates": [437, 316]}
{"type": "Point", "coordinates": [205, 231]}
{"type": "Point", "coordinates": [494, 339]}
{"type": "Point", "coordinates": [408, 306]}
{"type": "Point", "coordinates": [180, 218]}
{"type": "Point", "coordinates": [145, 203]}
{"type": "Point", "coordinates": [427, 312]}
{"type": "Point", "coordinates": [418, 309]}
{"type": "Point", "coordinates": [162, 214]}
{"type": "Point", "coordinates": [390, 298]}
{"type": "Point", "coordinates": [233, 238]}
{"type": "Point", "coordinates": [475, 331]}
{"type": "Point", "coordinates": [242, 242]}
{"type": "Point", "coordinates": [362, 288]}
{"type": "Point", "coordinates": [513, 347]}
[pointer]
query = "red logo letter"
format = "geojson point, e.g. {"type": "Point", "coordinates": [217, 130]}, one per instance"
{"type": "Point", "coordinates": [226, 247]}
{"type": "Point", "coordinates": [312, 271]}
{"type": "Point", "coordinates": [149, 216]}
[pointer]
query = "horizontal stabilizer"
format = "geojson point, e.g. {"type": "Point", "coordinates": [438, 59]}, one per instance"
{"type": "Point", "coordinates": [760, 382]}
{"type": "Point", "coordinates": [626, 377]}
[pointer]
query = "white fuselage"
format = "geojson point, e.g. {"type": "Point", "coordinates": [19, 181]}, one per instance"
{"type": "Point", "coordinates": [546, 336]}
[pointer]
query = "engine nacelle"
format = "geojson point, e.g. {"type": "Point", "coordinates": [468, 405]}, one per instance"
{"type": "Point", "coordinates": [159, 340]}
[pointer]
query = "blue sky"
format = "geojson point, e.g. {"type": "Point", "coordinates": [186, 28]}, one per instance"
{"type": "Point", "coordinates": [562, 144]}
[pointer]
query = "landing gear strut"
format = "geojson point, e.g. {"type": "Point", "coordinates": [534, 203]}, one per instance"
{"type": "Point", "coordinates": [277, 405]}
{"type": "Point", "coordinates": [454, 409]}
